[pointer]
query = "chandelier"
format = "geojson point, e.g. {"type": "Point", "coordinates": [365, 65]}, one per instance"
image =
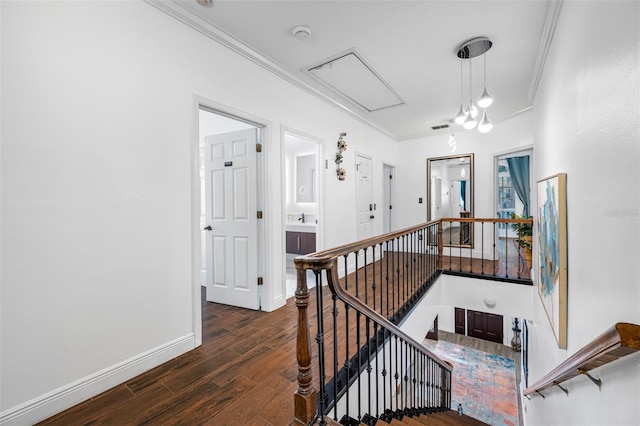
{"type": "Point", "coordinates": [468, 113]}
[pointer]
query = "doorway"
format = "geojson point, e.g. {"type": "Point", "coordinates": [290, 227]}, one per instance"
{"type": "Point", "coordinates": [302, 201]}
{"type": "Point", "coordinates": [365, 207]}
{"type": "Point", "coordinates": [513, 183]}
{"type": "Point", "coordinates": [230, 193]}
{"type": "Point", "coordinates": [482, 325]}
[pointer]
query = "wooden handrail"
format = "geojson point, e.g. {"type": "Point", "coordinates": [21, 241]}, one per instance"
{"type": "Point", "coordinates": [311, 261]}
{"type": "Point", "coordinates": [620, 340]}
{"type": "Point", "coordinates": [485, 220]}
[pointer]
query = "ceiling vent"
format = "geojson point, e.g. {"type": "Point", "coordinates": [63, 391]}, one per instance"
{"type": "Point", "coordinates": [351, 76]}
{"type": "Point", "coordinates": [440, 126]}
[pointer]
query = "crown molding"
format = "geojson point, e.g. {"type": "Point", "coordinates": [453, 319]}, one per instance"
{"type": "Point", "coordinates": [551, 20]}
{"type": "Point", "coordinates": [180, 13]}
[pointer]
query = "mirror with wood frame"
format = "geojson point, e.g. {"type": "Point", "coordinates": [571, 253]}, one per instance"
{"type": "Point", "coordinates": [450, 195]}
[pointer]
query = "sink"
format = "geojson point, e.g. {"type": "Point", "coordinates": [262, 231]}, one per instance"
{"type": "Point", "coordinates": [300, 227]}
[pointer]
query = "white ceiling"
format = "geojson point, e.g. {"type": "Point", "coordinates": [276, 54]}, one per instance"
{"type": "Point", "coordinates": [412, 45]}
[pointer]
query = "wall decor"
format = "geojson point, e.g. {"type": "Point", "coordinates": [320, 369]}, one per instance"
{"type": "Point", "coordinates": [342, 146]}
{"type": "Point", "coordinates": [552, 238]}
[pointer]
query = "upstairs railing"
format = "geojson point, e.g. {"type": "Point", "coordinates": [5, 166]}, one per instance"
{"type": "Point", "coordinates": [486, 248]}
{"type": "Point", "coordinates": [365, 367]}
{"type": "Point", "coordinates": [620, 340]}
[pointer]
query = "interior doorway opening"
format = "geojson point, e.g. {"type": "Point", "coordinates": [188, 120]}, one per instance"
{"type": "Point", "coordinates": [302, 201]}
{"type": "Point", "coordinates": [230, 195]}
{"type": "Point", "coordinates": [513, 187]}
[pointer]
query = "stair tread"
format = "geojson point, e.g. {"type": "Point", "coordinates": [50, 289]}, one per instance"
{"type": "Point", "coordinates": [441, 418]}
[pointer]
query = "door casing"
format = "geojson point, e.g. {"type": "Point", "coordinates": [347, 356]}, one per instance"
{"type": "Point", "coordinates": [264, 269]}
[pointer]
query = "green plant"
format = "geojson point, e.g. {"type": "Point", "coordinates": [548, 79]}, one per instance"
{"type": "Point", "coordinates": [523, 230]}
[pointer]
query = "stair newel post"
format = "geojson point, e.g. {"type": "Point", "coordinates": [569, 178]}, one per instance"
{"type": "Point", "coordinates": [305, 398]}
{"type": "Point", "coordinates": [440, 250]}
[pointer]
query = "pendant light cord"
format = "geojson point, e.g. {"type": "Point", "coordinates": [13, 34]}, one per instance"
{"type": "Point", "coordinates": [461, 85]}
{"type": "Point", "coordinates": [485, 69]}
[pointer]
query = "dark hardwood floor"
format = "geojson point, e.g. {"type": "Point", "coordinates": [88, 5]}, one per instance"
{"type": "Point", "coordinates": [243, 374]}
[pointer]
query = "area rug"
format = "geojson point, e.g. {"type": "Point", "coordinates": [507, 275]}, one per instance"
{"type": "Point", "coordinates": [485, 384]}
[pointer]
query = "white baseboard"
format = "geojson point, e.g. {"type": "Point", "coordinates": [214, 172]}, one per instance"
{"type": "Point", "coordinates": [69, 395]}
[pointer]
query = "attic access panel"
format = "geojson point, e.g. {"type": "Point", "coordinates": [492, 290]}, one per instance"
{"type": "Point", "coordinates": [351, 76]}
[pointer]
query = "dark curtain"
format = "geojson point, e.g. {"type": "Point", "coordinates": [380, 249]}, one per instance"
{"type": "Point", "coordinates": [519, 172]}
{"type": "Point", "coordinates": [463, 194]}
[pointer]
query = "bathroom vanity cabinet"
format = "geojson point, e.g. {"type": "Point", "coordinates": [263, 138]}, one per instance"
{"type": "Point", "coordinates": [300, 242]}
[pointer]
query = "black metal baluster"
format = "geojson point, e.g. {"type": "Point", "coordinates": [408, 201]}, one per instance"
{"type": "Point", "coordinates": [373, 275]}
{"type": "Point", "coordinates": [494, 246]}
{"type": "Point", "coordinates": [414, 278]}
{"type": "Point", "coordinates": [460, 249]}
{"type": "Point", "coordinates": [383, 258]}
{"type": "Point", "coordinates": [397, 375]}
{"type": "Point", "coordinates": [405, 272]}
{"type": "Point", "coordinates": [358, 345]}
{"type": "Point", "coordinates": [386, 277]}
{"type": "Point", "coordinates": [431, 390]}
{"type": "Point", "coordinates": [450, 248]}
{"type": "Point", "coordinates": [396, 284]}
{"type": "Point", "coordinates": [506, 253]}
{"type": "Point", "coordinates": [405, 371]}
{"type": "Point", "coordinates": [366, 288]}
{"type": "Point", "coordinates": [356, 253]}
{"type": "Point", "coordinates": [384, 368]}
{"type": "Point", "coordinates": [470, 251]}
{"type": "Point", "coordinates": [322, 400]}
{"type": "Point", "coordinates": [368, 348]}
{"type": "Point", "coordinates": [482, 247]}
{"type": "Point", "coordinates": [347, 361]}
{"type": "Point", "coordinates": [377, 390]}
{"type": "Point", "coordinates": [336, 383]}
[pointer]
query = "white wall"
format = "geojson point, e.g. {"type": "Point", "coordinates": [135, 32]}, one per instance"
{"type": "Point", "coordinates": [587, 125]}
{"type": "Point", "coordinates": [98, 275]}
{"type": "Point", "coordinates": [507, 135]}
{"type": "Point", "coordinates": [449, 292]}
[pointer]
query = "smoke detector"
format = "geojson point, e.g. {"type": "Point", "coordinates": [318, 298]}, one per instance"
{"type": "Point", "coordinates": [302, 32]}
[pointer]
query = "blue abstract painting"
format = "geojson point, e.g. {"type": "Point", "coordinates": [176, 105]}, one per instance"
{"type": "Point", "coordinates": [552, 250]}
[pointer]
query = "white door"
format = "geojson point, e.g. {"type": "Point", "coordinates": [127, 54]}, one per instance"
{"type": "Point", "coordinates": [364, 197]}
{"type": "Point", "coordinates": [231, 207]}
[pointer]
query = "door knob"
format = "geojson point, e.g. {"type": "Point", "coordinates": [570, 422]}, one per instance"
{"type": "Point", "coordinates": [208, 228]}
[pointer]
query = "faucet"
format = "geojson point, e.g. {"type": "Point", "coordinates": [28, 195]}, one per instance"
{"type": "Point", "coordinates": [301, 218]}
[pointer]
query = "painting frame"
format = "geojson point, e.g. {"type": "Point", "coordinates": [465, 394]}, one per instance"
{"type": "Point", "coordinates": [552, 252]}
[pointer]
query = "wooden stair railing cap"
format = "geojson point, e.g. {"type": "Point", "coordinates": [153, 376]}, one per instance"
{"type": "Point", "coordinates": [620, 340]}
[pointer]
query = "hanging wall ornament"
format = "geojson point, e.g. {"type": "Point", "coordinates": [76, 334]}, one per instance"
{"type": "Point", "coordinates": [342, 146]}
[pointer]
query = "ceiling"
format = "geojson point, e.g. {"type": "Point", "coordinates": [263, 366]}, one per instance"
{"type": "Point", "coordinates": [411, 45]}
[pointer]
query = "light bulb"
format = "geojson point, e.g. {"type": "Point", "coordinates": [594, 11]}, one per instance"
{"type": "Point", "coordinates": [470, 122]}
{"type": "Point", "coordinates": [473, 109]}
{"type": "Point", "coordinates": [485, 100]}
{"type": "Point", "coordinates": [461, 115]}
{"type": "Point", "coordinates": [485, 125]}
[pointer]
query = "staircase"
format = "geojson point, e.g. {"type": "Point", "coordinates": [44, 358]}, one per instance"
{"type": "Point", "coordinates": [365, 363]}
{"type": "Point", "coordinates": [439, 418]}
